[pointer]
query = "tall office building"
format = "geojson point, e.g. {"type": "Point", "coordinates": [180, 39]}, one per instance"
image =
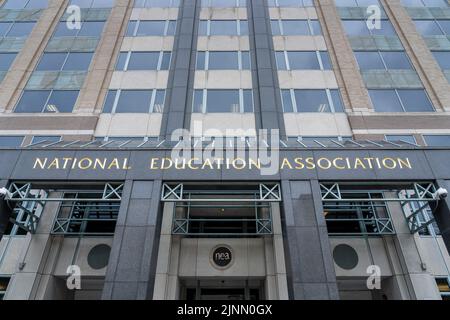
{"type": "Point", "coordinates": [313, 163]}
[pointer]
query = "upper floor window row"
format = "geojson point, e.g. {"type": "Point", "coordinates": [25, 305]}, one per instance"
{"type": "Point", "coordinates": [87, 29]}
{"type": "Point", "coordinates": [223, 101]}
{"type": "Point", "coordinates": [65, 61]}
{"type": "Point", "coordinates": [135, 101]}
{"type": "Point", "coordinates": [400, 100]}
{"type": "Point", "coordinates": [433, 27]}
{"type": "Point", "coordinates": [312, 100]}
{"type": "Point", "coordinates": [303, 60]}
{"type": "Point", "coordinates": [25, 4]}
{"type": "Point", "coordinates": [223, 60]}
{"type": "Point", "coordinates": [357, 3]}
{"type": "Point", "coordinates": [360, 28]}
{"type": "Point", "coordinates": [156, 3]}
{"type": "Point", "coordinates": [425, 3]}
{"type": "Point", "coordinates": [296, 27]}
{"type": "Point", "coordinates": [143, 61]}
{"type": "Point", "coordinates": [92, 3]}
{"type": "Point", "coordinates": [223, 28]}
{"type": "Point", "coordinates": [224, 3]}
{"type": "Point", "coordinates": [383, 60]}
{"type": "Point", "coordinates": [11, 141]}
{"type": "Point", "coordinates": [48, 101]}
{"type": "Point", "coordinates": [16, 29]}
{"type": "Point", "coordinates": [6, 60]}
{"type": "Point", "coordinates": [147, 28]}
{"type": "Point", "coordinates": [291, 3]}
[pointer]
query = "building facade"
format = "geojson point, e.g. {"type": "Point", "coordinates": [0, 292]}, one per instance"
{"type": "Point", "coordinates": [225, 149]}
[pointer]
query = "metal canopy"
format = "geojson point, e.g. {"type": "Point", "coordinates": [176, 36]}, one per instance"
{"type": "Point", "coordinates": [237, 142]}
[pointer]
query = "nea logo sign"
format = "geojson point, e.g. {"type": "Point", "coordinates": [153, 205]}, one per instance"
{"type": "Point", "coordinates": [222, 257]}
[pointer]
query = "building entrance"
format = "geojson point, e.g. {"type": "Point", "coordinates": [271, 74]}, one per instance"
{"type": "Point", "coordinates": [222, 290]}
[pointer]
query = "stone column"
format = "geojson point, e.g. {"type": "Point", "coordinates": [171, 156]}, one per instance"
{"type": "Point", "coordinates": [132, 264]}
{"type": "Point", "coordinates": [310, 266]}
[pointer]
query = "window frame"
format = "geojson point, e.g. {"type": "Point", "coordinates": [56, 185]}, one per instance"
{"type": "Point", "coordinates": [295, 105]}
{"type": "Point", "coordinates": [138, 22]}
{"type": "Point", "coordinates": [205, 101]}
{"type": "Point", "coordinates": [128, 57]}
{"type": "Point", "coordinates": [51, 91]}
{"type": "Point", "coordinates": [206, 60]}
{"type": "Point", "coordinates": [311, 31]}
{"type": "Point", "coordinates": [151, 106]}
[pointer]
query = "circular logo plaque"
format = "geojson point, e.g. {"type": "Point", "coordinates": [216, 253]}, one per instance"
{"type": "Point", "coordinates": [222, 257]}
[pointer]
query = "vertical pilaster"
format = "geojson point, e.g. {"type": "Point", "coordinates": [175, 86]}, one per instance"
{"type": "Point", "coordinates": [132, 264]}
{"type": "Point", "coordinates": [266, 89]}
{"type": "Point", "coordinates": [19, 73]}
{"type": "Point", "coordinates": [354, 92]}
{"type": "Point", "coordinates": [426, 66]}
{"type": "Point", "coordinates": [4, 212]}
{"type": "Point", "coordinates": [96, 82]}
{"type": "Point", "coordinates": [442, 215]}
{"type": "Point", "coordinates": [310, 266]}
{"type": "Point", "coordinates": [178, 106]}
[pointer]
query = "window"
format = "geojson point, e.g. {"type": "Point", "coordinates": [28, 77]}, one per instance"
{"type": "Point", "coordinates": [88, 29]}
{"type": "Point", "coordinates": [16, 29]}
{"type": "Point", "coordinates": [291, 3]}
{"type": "Point", "coordinates": [223, 101]}
{"type": "Point", "coordinates": [51, 101]}
{"type": "Point", "coordinates": [67, 61]}
{"type": "Point", "coordinates": [25, 4]}
{"type": "Point", "coordinates": [314, 100]}
{"type": "Point", "coordinates": [433, 27]}
{"type": "Point", "coordinates": [401, 100]}
{"type": "Point", "coordinates": [389, 60]}
{"type": "Point", "coordinates": [443, 59]}
{"type": "Point", "coordinates": [11, 141]}
{"type": "Point", "coordinates": [143, 61]}
{"type": "Point", "coordinates": [4, 281]}
{"type": "Point", "coordinates": [223, 60]}
{"type": "Point", "coordinates": [425, 3]}
{"type": "Point", "coordinates": [303, 60]}
{"type": "Point", "coordinates": [156, 3]}
{"type": "Point", "coordinates": [224, 3]}
{"type": "Point", "coordinates": [444, 287]}
{"type": "Point", "coordinates": [93, 3]}
{"type": "Point", "coordinates": [145, 28]}
{"type": "Point", "coordinates": [360, 28]}
{"type": "Point", "coordinates": [6, 60]}
{"type": "Point", "coordinates": [223, 28]}
{"type": "Point", "coordinates": [351, 217]}
{"type": "Point", "coordinates": [296, 27]}
{"type": "Point", "coordinates": [437, 140]}
{"type": "Point", "coordinates": [134, 101]}
{"type": "Point", "coordinates": [402, 138]}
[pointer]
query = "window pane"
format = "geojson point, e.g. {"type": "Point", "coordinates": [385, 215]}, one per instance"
{"type": "Point", "coordinates": [223, 27]}
{"type": "Point", "coordinates": [109, 101]}
{"type": "Point", "coordinates": [337, 100]}
{"type": "Point", "coordinates": [6, 60]}
{"type": "Point", "coordinates": [32, 101]}
{"type": "Point", "coordinates": [201, 56]}
{"type": "Point", "coordinates": [198, 101]}
{"type": "Point", "coordinates": [415, 100]}
{"type": "Point", "coordinates": [437, 141]}
{"type": "Point", "coordinates": [428, 27]}
{"type": "Point", "coordinates": [4, 27]}
{"type": "Point", "coordinates": [355, 27]}
{"type": "Point", "coordinates": [134, 101]}
{"type": "Point", "coordinates": [165, 63]}
{"type": "Point", "coordinates": [281, 60]}
{"type": "Point", "coordinates": [63, 31]}
{"type": "Point", "coordinates": [312, 101]}
{"type": "Point", "coordinates": [303, 60]}
{"type": "Point", "coordinates": [369, 61]}
{"type": "Point", "coordinates": [295, 27]}
{"type": "Point", "coordinates": [121, 61]}
{"type": "Point", "coordinates": [151, 28]}
{"type": "Point", "coordinates": [396, 60]}
{"type": "Point", "coordinates": [20, 29]}
{"type": "Point", "coordinates": [78, 61]}
{"type": "Point", "coordinates": [287, 101]}
{"type": "Point", "coordinates": [443, 58]}
{"type": "Point", "coordinates": [91, 29]}
{"type": "Point", "coordinates": [130, 28]}
{"type": "Point", "coordinates": [246, 65]}
{"type": "Point", "coordinates": [51, 61]}
{"type": "Point", "coordinates": [160, 96]}
{"type": "Point", "coordinates": [11, 141]}
{"type": "Point", "coordinates": [223, 101]}
{"type": "Point", "coordinates": [14, 4]}
{"type": "Point", "coordinates": [385, 101]}
{"type": "Point", "coordinates": [143, 61]}
{"type": "Point", "coordinates": [248, 101]}
{"type": "Point", "coordinates": [61, 101]}
{"type": "Point", "coordinates": [398, 138]}
{"type": "Point", "coordinates": [326, 62]}
{"type": "Point", "coordinates": [223, 60]}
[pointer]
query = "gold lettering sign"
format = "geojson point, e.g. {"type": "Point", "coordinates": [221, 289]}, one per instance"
{"type": "Point", "coordinates": [310, 163]}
